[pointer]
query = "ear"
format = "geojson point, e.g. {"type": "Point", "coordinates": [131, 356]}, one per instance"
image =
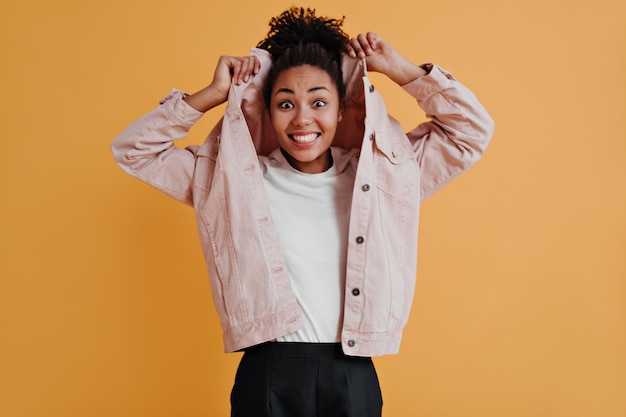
{"type": "Point", "coordinates": [340, 115]}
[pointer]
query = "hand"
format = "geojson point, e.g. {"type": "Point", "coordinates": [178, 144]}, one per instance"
{"type": "Point", "coordinates": [229, 69]}
{"type": "Point", "coordinates": [381, 57]}
{"type": "Point", "coordinates": [233, 69]}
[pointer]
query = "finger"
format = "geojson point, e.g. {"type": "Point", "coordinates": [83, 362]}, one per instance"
{"type": "Point", "coordinates": [241, 71]}
{"type": "Point", "coordinates": [357, 47]}
{"type": "Point", "coordinates": [257, 65]}
{"type": "Point", "coordinates": [350, 50]}
{"type": "Point", "coordinates": [373, 40]}
{"type": "Point", "coordinates": [244, 70]}
{"type": "Point", "coordinates": [253, 66]}
{"type": "Point", "coordinates": [235, 69]}
{"type": "Point", "coordinates": [365, 44]}
{"type": "Point", "coordinates": [249, 67]}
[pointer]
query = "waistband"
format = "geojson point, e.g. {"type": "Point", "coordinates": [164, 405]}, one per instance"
{"type": "Point", "coordinates": [296, 349]}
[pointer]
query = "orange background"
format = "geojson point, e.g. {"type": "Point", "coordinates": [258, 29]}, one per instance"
{"type": "Point", "coordinates": [520, 306]}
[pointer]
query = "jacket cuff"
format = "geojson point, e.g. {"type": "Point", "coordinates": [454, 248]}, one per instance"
{"type": "Point", "coordinates": [177, 109]}
{"type": "Point", "coordinates": [434, 82]}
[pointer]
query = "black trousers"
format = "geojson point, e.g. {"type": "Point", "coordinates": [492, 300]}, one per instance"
{"type": "Point", "coordinates": [304, 380]}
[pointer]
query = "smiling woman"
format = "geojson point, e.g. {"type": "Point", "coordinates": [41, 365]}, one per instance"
{"type": "Point", "coordinates": [305, 109]}
{"type": "Point", "coordinates": [311, 247]}
{"type": "Point", "coordinates": [520, 305]}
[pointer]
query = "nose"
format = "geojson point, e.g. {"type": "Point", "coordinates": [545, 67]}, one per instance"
{"type": "Point", "coordinates": [302, 117]}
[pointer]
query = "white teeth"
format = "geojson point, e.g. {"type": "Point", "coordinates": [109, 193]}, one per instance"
{"type": "Point", "coordinates": [304, 138]}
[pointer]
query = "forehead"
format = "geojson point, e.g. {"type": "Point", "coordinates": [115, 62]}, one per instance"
{"type": "Point", "coordinates": [303, 78]}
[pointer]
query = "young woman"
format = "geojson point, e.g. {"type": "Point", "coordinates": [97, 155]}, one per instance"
{"type": "Point", "coordinates": [307, 199]}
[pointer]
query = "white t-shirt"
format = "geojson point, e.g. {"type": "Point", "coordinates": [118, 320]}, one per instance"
{"type": "Point", "coordinates": [311, 214]}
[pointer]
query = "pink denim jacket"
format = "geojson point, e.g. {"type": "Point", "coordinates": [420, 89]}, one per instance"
{"type": "Point", "coordinates": [222, 180]}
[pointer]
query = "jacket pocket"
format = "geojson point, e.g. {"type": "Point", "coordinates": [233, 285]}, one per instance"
{"type": "Point", "coordinates": [397, 173]}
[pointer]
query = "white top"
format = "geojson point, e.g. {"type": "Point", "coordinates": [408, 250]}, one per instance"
{"type": "Point", "coordinates": [311, 214]}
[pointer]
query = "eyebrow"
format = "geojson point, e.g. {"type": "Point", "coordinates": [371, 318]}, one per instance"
{"type": "Point", "coordinates": [310, 90]}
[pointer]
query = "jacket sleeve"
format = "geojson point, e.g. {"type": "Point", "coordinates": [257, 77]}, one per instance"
{"type": "Point", "coordinates": [457, 134]}
{"type": "Point", "coordinates": [145, 149]}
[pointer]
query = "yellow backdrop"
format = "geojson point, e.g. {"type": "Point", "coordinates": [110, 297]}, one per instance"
{"type": "Point", "coordinates": [521, 296]}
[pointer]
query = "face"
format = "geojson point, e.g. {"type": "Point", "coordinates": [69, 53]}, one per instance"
{"type": "Point", "coordinates": [305, 110]}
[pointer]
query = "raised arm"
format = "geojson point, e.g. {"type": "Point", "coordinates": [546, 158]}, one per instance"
{"type": "Point", "coordinates": [460, 128]}
{"type": "Point", "coordinates": [229, 70]}
{"type": "Point", "coordinates": [381, 57]}
{"type": "Point", "coordinates": [146, 150]}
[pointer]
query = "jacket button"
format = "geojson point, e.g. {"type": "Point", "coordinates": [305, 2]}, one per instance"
{"type": "Point", "coordinates": [372, 88]}
{"type": "Point", "coordinates": [360, 239]}
{"type": "Point", "coordinates": [351, 343]}
{"type": "Point", "coordinates": [356, 292]}
{"type": "Point", "coordinates": [371, 136]}
{"type": "Point", "coordinates": [365, 187]}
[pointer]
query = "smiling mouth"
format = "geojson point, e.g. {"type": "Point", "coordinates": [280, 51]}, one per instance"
{"type": "Point", "coordinates": [304, 138]}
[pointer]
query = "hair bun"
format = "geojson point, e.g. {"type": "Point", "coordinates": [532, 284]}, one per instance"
{"type": "Point", "coordinates": [297, 25]}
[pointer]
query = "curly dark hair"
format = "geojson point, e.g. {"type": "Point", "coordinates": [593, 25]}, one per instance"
{"type": "Point", "coordinates": [298, 37]}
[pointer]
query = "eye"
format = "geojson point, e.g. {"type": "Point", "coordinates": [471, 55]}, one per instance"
{"type": "Point", "coordinates": [319, 103]}
{"type": "Point", "coordinates": [285, 105]}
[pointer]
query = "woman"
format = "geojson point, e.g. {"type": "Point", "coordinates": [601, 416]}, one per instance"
{"type": "Point", "coordinates": [307, 199]}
